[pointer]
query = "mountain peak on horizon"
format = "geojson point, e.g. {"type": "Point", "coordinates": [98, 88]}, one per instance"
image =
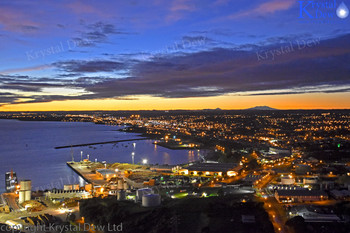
{"type": "Point", "coordinates": [261, 108]}
{"type": "Point", "coordinates": [209, 109]}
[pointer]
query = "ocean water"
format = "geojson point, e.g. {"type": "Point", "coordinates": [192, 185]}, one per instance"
{"type": "Point", "coordinates": [27, 147]}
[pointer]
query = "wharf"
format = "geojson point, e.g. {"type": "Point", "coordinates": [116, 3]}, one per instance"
{"type": "Point", "coordinates": [84, 171]}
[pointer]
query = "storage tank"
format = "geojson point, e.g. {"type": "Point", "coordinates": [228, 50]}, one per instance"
{"type": "Point", "coordinates": [120, 184]}
{"type": "Point", "coordinates": [21, 198]}
{"type": "Point", "coordinates": [287, 180]}
{"type": "Point", "coordinates": [151, 200]}
{"type": "Point", "coordinates": [141, 192]}
{"type": "Point", "coordinates": [25, 185]}
{"type": "Point", "coordinates": [27, 195]}
{"type": "Point", "coordinates": [121, 195]}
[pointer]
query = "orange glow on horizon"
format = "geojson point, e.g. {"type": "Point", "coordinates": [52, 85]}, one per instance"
{"type": "Point", "coordinates": [284, 102]}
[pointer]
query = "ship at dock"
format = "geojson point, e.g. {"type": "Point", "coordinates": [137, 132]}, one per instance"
{"type": "Point", "coordinates": [11, 181]}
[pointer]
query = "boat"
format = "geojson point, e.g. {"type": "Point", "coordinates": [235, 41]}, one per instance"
{"type": "Point", "coordinates": [11, 181]}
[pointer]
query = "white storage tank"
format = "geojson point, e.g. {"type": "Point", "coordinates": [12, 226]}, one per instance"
{"type": "Point", "coordinates": [141, 192]}
{"type": "Point", "coordinates": [151, 200]}
{"type": "Point", "coordinates": [28, 195]}
{"type": "Point", "coordinates": [287, 180]}
{"type": "Point", "coordinates": [21, 198]}
{"type": "Point", "coordinates": [25, 185]}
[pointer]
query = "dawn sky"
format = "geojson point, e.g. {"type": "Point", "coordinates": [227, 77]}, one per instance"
{"type": "Point", "coordinates": [176, 54]}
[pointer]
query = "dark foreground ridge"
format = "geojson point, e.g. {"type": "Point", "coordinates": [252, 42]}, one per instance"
{"type": "Point", "coordinates": [98, 143]}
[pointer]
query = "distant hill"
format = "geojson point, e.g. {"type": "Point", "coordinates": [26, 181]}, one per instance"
{"type": "Point", "coordinates": [261, 108]}
{"type": "Point", "coordinates": [216, 109]}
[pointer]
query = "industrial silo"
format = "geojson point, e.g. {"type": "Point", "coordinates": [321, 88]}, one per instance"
{"type": "Point", "coordinates": [25, 185]}
{"type": "Point", "coordinates": [141, 192]}
{"type": "Point", "coordinates": [151, 200]}
{"type": "Point", "coordinates": [27, 195]}
{"type": "Point", "coordinates": [21, 198]}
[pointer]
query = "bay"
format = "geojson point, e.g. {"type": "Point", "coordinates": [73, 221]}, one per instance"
{"type": "Point", "coordinates": [27, 147]}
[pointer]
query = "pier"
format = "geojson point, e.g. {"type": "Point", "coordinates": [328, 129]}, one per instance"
{"type": "Point", "coordinates": [100, 143]}
{"type": "Point", "coordinates": [84, 172]}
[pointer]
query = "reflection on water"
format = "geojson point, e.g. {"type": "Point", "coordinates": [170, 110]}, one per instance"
{"type": "Point", "coordinates": [166, 158]}
{"type": "Point", "coordinates": [191, 156]}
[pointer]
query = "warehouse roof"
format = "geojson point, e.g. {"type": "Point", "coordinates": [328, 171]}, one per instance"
{"type": "Point", "coordinates": [305, 192]}
{"type": "Point", "coordinates": [212, 167]}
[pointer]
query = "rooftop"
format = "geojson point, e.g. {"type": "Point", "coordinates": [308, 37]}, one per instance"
{"type": "Point", "coordinates": [213, 167]}
{"type": "Point", "coordinates": [301, 192]}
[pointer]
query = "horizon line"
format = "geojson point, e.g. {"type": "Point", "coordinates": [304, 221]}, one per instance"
{"type": "Point", "coordinates": [204, 109]}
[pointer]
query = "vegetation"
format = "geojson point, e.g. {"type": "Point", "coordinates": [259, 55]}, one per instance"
{"type": "Point", "coordinates": [213, 214]}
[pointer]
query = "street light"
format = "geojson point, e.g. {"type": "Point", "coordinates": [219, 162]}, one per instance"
{"type": "Point", "coordinates": [144, 161]}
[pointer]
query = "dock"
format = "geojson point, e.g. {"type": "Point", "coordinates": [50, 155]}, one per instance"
{"type": "Point", "coordinates": [84, 172]}
{"type": "Point", "coordinates": [100, 143]}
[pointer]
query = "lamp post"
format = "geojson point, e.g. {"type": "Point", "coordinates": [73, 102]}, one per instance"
{"type": "Point", "coordinates": [133, 155]}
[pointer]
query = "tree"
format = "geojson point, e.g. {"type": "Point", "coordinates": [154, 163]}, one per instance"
{"type": "Point", "coordinates": [297, 223]}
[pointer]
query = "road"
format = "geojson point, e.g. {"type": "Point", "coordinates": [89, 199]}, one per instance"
{"type": "Point", "coordinates": [278, 215]}
{"type": "Point", "coordinates": [10, 199]}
